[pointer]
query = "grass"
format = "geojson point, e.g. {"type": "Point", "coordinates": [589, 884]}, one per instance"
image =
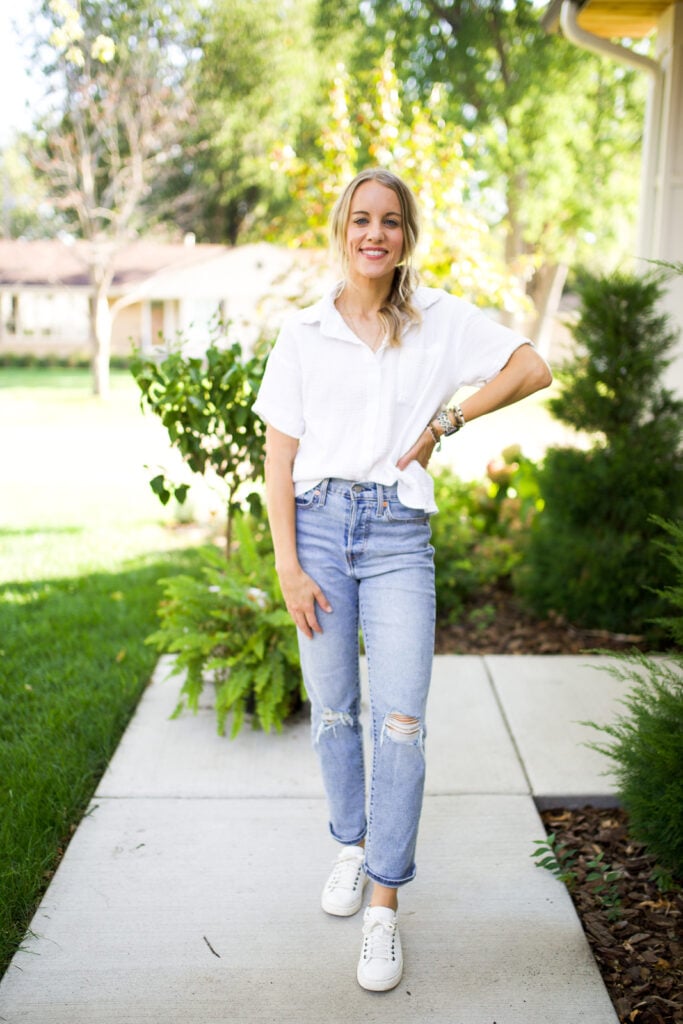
{"type": "Point", "coordinates": [83, 543]}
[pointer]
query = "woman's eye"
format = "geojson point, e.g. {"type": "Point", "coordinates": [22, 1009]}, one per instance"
{"type": "Point", "coordinates": [391, 223]}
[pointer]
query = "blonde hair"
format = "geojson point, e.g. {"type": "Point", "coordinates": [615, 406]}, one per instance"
{"type": "Point", "coordinates": [398, 308]}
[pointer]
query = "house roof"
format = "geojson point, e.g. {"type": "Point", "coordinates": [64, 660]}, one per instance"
{"type": "Point", "coordinates": [238, 271]}
{"type": "Point", "coordinates": [51, 263]}
{"type": "Point", "coordinates": [612, 19]}
{"type": "Point", "coordinates": [251, 284]}
{"type": "Point", "coordinates": [243, 277]}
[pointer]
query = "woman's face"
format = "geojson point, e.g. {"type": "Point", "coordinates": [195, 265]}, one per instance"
{"type": "Point", "coordinates": [374, 234]}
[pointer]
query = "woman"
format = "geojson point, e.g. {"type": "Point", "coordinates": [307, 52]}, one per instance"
{"type": "Point", "coordinates": [354, 398]}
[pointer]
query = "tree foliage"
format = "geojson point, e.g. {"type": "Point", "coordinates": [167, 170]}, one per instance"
{"type": "Point", "coordinates": [117, 109]}
{"type": "Point", "coordinates": [23, 200]}
{"type": "Point", "coordinates": [370, 124]}
{"type": "Point", "coordinates": [554, 132]}
{"type": "Point", "coordinates": [255, 79]}
{"type": "Point", "coordinates": [200, 116]}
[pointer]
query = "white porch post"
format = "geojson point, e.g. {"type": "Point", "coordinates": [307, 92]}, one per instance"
{"type": "Point", "coordinates": [661, 217]}
{"type": "Point", "coordinates": [145, 326]}
{"type": "Point", "coordinates": [171, 326]}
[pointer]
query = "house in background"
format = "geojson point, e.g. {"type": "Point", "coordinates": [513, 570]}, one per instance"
{"type": "Point", "coordinates": [160, 293]}
{"type": "Point", "coordinates": [594, 25]}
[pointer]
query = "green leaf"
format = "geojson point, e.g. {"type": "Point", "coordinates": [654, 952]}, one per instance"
{"type": "Point", "coordinates": [158, 485]}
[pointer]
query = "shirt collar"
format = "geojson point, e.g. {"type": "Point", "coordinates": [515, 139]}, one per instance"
{"type": "Point", "coordinates": [332, 324]}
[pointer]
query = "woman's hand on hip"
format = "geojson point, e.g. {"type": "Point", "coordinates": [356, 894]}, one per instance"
{"type": "Point", "coordinates": [420, 452]}
{"type": "Point", "coordinates": [301, 594]}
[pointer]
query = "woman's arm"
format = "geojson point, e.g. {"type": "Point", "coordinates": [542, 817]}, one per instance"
{"type": "Point", "coordinates": [299, 591]}
{"type": "Point", "coordinates": [524, 373]}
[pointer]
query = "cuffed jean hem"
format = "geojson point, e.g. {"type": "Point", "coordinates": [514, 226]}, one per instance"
{"type": "Point", "coordinates": [390, 883]}
{"type": "Point", "coordinates": [348, 842]}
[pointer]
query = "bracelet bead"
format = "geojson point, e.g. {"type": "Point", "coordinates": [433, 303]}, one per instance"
{"type": "Point", "coordinates": [435, 436]}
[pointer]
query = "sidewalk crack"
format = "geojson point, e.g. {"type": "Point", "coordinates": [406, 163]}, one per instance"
{"type": "Point", "coordinates": [506, 723]}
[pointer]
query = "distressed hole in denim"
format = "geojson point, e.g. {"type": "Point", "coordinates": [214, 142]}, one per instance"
{"type": "Point", "coordinates": [403, 729]}
{"type": "Point", "coordinates": [329, 721]}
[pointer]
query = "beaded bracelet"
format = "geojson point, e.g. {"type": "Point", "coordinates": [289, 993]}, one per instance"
{"type": "Point", "coordinates": [458, 415]}
{"type": "Point", "coordinates": [447, 425]}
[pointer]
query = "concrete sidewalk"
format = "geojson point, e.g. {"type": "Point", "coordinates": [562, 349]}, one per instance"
{"type": "Point", "coordinates": [190, 892]}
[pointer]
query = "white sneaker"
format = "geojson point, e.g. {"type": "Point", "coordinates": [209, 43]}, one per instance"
{"type": "Point", "coordinates": [343, 892]}
{"type": "Point", "coordinates": [381, 959]}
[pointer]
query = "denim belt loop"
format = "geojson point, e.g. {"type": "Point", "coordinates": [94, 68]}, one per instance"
{"type": "Point", "coordinates": [380, 500]}
{"type": "Point", "coordinates": [322, 491]}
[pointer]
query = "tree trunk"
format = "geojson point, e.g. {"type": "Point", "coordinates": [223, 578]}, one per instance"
{"type": "Point", "coordinates": [228, 525]}
{"type": "Point", "coordinates": [100, 332]}
{"type": "Point", "coordinates": [546, 292]}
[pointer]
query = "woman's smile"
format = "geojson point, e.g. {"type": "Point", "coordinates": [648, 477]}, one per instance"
{"type": "Point", "coordinates": [374, 235]}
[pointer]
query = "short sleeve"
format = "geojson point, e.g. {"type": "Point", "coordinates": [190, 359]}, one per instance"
{"type": "Point", "coordinates": [484, 349]}
{"type": "Point", "coordinates": [279, 401]}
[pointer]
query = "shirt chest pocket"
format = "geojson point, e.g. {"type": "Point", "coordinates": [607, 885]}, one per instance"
{"type": "Point", "coordinates": [411, 374]}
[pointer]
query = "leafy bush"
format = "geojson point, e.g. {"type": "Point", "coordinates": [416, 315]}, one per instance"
{"type": "Point", "coordinates": [229, 625]}
{"type": "Point", "coordinates": [647, 742]}
{"type": "Point", "coordinates": [592, 554]}
{"type": "Point", "coordinates": [479, 526]}
{"type": "Point", "coordinates": [206, 406]}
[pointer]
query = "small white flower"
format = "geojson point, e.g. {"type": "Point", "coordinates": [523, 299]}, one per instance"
{"type": "Point", "coordinates": [59, 38]}
{"type": "Point", "coordinates": [259, 597]}
{"type": "Point", "coordinates": [74, 55]}
{"type": "Point", "coordinates": [63, 9]}
{"type": "Point", "coordinates": [103, 49]}
{"type": "Point", "coordinates": [214, 589]}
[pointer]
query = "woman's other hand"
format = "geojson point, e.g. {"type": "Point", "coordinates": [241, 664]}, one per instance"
{"type": "Point", "coordinates": [301, 595]}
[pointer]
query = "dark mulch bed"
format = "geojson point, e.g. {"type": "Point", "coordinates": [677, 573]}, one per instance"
{"type": "Point", "coordinates": [638, 944]}
{"type": "Point", "coordinates": [495, 623]}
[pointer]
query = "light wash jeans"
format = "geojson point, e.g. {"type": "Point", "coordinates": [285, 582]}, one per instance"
{"type": "Point", "coordinates": [373, 559]}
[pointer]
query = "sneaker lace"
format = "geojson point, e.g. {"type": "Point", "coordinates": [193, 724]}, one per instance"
{"type": "Point", "coordinates": [379, 940]}
{"type": "Point", "coordinates": [346, 872]}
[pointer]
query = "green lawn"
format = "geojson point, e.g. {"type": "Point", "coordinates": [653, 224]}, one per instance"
{"type": "Point", "coordinates": [83, 543]}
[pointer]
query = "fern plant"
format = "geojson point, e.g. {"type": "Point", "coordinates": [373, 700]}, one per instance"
{"type": "Point", "coordinates": [228, 626]}
{"type": "Point", "coordinates": [556, 858]}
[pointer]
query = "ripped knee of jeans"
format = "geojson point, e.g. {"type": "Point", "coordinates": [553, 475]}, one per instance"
{"type": "Point", "coordinates": [330, 720]}
{"type": "Point", "coordinates": [403, 729]}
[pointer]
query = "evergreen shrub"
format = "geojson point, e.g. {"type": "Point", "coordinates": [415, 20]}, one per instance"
{"type": "Point", "coordinates": [647, 741]}
{"type": "Point", "coordinates": [592, 554]}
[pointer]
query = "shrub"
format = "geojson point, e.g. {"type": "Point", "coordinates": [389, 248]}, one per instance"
{"type": "Point", "coordinates": [647, 751]}
{"type": "Point", "coordinates": [647, 742]}
{"type": "Point", "coordinates": [592, 554]}
{"type": "Point", "coordinates": [478, 528]}
{"type": "Point", "coordinates": [228, 625]}
{"type": "Point", "coordinates": [205, 404]}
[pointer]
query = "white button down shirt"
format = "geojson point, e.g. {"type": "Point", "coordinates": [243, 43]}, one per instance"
{"type": "Point", "coordinates": [355, 412]}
